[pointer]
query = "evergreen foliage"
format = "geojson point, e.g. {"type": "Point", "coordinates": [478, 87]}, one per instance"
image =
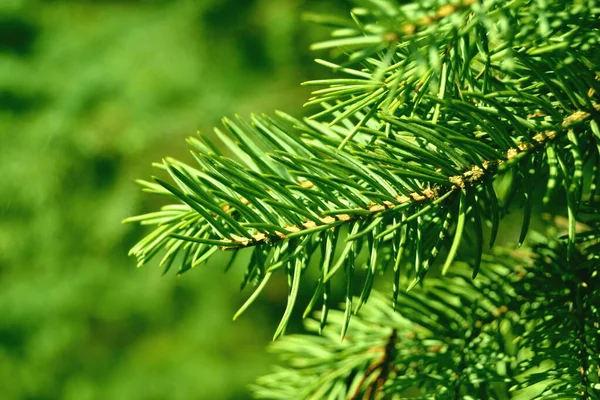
{"type": "Point", "coordinates": [441, 118]}
{"type": "Point", "coordinates": [527, 327]}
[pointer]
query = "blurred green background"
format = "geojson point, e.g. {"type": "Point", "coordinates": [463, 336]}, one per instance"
{"type": "Point", "coordinates": [91, 93]}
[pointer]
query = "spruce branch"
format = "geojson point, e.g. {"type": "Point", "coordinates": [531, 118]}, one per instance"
{"type": "Point", "coordinates": [559, 323]}
{"type": "Point", "coordinates": [528, 327]}
{"type": "Point", "coordinates": [401, 161]}
{"type": "Point", "coordinates": [442, 342]}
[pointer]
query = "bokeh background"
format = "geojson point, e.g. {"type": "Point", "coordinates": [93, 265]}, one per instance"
{"type": "Point", "coordinates": [91, 93]}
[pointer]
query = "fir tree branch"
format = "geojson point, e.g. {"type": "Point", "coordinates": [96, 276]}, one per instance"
{"type": "Point", "coordinates": [407, 155]}
{"type": "Point", "coordinates": [454, 349]}
{"type": "Point", "coordinates": [562, 325]}
{"type": "Point", "coordinates": [421, 348]}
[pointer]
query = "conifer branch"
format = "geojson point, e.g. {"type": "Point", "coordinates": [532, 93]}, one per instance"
{"type": "Point", "coordinates": [455, 349]}
{"type": "Point", "coordinates": [420, 348]}
{"type": "Point", "coordinates": [563, 324]}
{"type": "Point", "coordinates": [400, 160]}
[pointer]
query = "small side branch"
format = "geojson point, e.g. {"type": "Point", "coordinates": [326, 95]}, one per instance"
{"type": "Point", "coordinates": [383, 366]}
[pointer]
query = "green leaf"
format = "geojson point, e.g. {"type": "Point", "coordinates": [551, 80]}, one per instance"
{"type": "Point", "coordinates": [213, 242]}
{"type": "Point", "coordinates": [477, 223]}
{"type": "Point", "coordinates": [259, 289]}
{"type": "Point", "coordinates": [458, 232]}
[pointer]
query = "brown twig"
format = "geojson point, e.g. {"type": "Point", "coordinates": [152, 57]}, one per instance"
{"type": "Point", "coordinates": [384, 365]}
